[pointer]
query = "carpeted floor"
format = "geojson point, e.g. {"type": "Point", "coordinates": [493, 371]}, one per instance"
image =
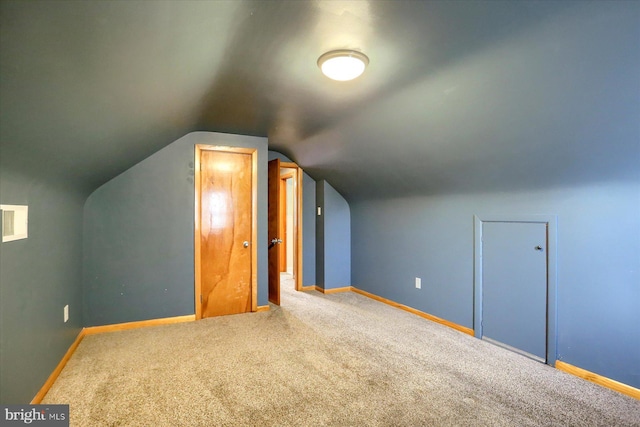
{"type": "Point", "coordinates": [322, 360]}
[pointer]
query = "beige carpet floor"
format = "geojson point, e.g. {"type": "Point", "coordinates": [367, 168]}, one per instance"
{"type": "Point", "coordinates": [322, 360]}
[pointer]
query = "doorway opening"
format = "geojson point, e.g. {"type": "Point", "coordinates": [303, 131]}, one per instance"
{"type": "Point", "coordinates": [285, 227]}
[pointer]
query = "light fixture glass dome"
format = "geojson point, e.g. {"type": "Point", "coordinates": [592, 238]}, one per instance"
{"type": "Point", "coordinates": [343, 65]}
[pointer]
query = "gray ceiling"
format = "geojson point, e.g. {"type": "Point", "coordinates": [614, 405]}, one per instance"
{"type": "Point", "coordinates": [459, 96]}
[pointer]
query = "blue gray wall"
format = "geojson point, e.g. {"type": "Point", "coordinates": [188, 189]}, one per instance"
{"type": "Point", "coordinates": [139, 232]}
{"type": "Point", "coordinates": [598, 270]}
{"type": "Point", "coordinates": [308, 223]}
{"type": "Point", "coordinates": [320, 264]}
{"type": "Point", "coordinates": [333, 238]}
{"type": "Point", "coordinates": [309, 230]}
{"type": "Point", "coordinates": [38, 277]}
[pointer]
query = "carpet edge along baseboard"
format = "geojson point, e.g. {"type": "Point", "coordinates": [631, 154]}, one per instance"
{"type": "Point", "coordinates": [333, 290]}
{"type": "Point", "coordinates": [91, 330]}
{"type": "Point", "coordinates": [412, 310]}
{"type": "Point", "coordinates": [54, 375]}
{"type": "Point", "coordinates": [598, 379]}
{"type": "Point", "coordinates": [560, 365]}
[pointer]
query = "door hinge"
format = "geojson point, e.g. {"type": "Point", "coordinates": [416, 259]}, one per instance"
{"type": "Point", "coordinates": [200, 298]}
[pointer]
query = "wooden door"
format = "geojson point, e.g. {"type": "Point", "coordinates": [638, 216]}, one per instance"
{"type": "Point", "coordinates": [274, 231]}
{"type": "Point", "coordinates": [225, 272]}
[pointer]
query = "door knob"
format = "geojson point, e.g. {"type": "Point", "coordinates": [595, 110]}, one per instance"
{"type": "Point", "coordinates": [245, 244]}
{"type": "Point", "coordinates": [538, 248]}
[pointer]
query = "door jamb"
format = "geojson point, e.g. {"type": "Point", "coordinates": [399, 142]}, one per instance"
{"type": "Point", "coordinates": [297, 268]}
{"type": "Point", "coordinates": [552, 226]}
{"type": "Point", "coordinates": [283, 215]}
{"type": "Point", "coordinates": [254, 222]}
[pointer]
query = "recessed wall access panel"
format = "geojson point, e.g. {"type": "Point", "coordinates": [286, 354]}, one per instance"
{"type": "Point", "coordinates": [15, 220]}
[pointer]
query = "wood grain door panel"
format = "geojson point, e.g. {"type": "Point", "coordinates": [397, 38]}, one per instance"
{"type": "Point", "coordinates": [225, 203]}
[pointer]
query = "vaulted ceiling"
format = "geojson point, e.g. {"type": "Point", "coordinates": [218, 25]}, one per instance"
{"type": "Point", "coordinates": [459, 95]}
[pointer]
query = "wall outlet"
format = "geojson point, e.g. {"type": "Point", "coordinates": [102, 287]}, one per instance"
{"type": "Point", "coordinates": [418, 283]}
{"type": "Point", "coordinates": [66, 313]}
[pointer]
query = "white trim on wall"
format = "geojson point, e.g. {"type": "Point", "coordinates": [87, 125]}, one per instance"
{"type": "Point", "coordinates": [15, 222]}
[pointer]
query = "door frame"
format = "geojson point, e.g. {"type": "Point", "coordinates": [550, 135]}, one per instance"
{"type": "Point", "coordinates": [297, 229]}
{"type": "Point", "coordinates": [274, 202]}
{"type": "Point", "coordinates": [274, 291]}
{"type": "Point", "coordinates": [283, 218]}
{"type": "Point", "coordinates": [199, 148]}
{"type": "Point", "coordinates": [551, 222]}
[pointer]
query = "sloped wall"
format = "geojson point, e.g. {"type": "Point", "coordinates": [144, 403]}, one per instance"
{"type": "Point", "coordinates": [333, 238]}
{"type": "Point", "coordinates": [138, 235]}
{"type": "Point", "coordinates": [38, 277]}
{"type": "Point", "coordinates": [598, 268]}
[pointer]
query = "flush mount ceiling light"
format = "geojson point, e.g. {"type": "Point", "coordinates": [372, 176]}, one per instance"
{"type": "Point", "coordinates": [343, 65]}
